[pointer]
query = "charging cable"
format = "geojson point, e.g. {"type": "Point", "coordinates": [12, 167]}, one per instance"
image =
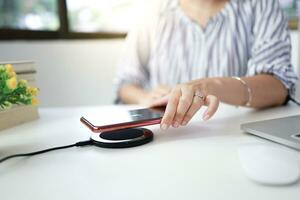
{"type": "Point", "coordinates": [78, 144]}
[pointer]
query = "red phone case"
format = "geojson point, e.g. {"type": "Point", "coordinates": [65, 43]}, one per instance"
{"type": "Point", "coordinates": [114, 127]}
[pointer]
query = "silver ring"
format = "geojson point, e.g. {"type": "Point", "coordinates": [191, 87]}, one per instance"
{"type": "Point", "coordinates": [199, 95]}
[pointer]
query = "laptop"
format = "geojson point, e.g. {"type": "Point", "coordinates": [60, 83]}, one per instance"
{"type": "Point", "coordinates": [285, 130]}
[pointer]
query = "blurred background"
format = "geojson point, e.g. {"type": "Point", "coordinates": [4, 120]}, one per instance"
{"type": "Point", "coordinates": [82, 15]}
{"type": "Point", "coordinates": [77, 44]}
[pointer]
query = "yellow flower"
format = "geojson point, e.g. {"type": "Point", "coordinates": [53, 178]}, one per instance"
{"type": "Point", "coordinates": [11, 83]}
{"type": "Point", "coordinates": [12, 74]}
{"type": "Point", "coordinates": [32, 90]}
{"type": "Point", "coordinates": [9, 68]}
{"type": "Point", "coordinates": [34, 101]}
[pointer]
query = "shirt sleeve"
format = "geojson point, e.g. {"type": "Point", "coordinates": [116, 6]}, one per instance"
{"type": "Point", "coordinates": [133, 66]}
{"type": "Point", "coordinates": [271, 48]}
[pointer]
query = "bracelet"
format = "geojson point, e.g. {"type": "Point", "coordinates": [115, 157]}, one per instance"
{"type": "Point", "coordinates": [248, 103]}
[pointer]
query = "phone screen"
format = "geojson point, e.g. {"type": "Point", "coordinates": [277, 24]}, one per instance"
{"type": "Point", "coordinates": [120, 115]}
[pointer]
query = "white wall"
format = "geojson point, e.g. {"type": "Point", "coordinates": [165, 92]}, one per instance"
{"type": "Point", "coordinates": [72, 73]}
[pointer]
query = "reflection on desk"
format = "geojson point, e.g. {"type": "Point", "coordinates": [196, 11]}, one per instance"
{"type": "Point", "coordinates": [198, 161]}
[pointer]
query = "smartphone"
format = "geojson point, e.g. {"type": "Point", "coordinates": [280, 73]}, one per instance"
{"type": "Point", "coordinates": [113, 119]}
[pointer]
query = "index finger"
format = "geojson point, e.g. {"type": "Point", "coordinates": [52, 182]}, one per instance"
{"type": "Point", "coordinates": [170, 109]}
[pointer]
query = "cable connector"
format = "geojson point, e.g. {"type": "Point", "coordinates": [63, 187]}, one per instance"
{"type": "Point", "coordinates": [83, 143]}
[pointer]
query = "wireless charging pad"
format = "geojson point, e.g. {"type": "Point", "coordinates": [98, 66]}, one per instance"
{"type": "Point", "coordinates": [122, 138]}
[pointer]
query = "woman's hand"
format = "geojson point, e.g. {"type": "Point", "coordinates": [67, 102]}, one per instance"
{"type": "Point", "coordinates": [182, 104]}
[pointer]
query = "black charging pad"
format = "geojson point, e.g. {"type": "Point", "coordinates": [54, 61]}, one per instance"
{"type": "Point", "coordinates": [123, 138]}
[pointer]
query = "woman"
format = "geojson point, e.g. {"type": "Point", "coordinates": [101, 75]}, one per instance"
{"type": "Point", "coordinates": [192, 53]}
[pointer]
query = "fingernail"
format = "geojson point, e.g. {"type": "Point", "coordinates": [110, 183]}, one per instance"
{"type": "Point", "coordinates": [176, 124]}
{"type": "Point", "coordinates": [184, 123]}
{"type": "Point", "coordinates": [164, 127]}
{"type": "Point", "coordinates": [206, 117]}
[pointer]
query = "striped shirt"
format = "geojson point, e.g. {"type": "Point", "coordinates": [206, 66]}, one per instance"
{"type": "Point", "coordinates": [246, 38]}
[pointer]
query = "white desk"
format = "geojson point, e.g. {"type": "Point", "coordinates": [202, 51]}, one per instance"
{"type": "Point", "coordinates": [199, 161]}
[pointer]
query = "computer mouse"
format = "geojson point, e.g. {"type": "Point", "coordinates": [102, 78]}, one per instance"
{"type": "Point", "coordinates": [270, 164]}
